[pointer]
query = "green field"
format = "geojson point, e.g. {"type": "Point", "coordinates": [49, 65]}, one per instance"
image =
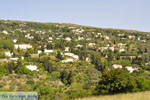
{"type": "Point", "coordinates": [129, 96]}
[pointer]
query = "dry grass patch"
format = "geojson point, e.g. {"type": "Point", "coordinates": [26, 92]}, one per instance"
{"type": "Point", "coordinates": [129, 96]}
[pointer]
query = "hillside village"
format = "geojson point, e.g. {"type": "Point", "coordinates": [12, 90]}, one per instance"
{"type": "Point", "coordinates": [67, 56]}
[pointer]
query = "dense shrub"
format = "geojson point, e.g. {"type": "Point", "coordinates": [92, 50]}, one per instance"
{"type": "Point", "coordinates": [45, 92]}
{"type": "Point", "coordinates": [141, 83]}
{"type": "Point", "coordinates": [6, 44]}
{"type": "Point", "coordinates": [76, 90]}
{"type": "Point", "coordinates": [31, 82]}
{"type": "Point", "coordinates": [115, 81]}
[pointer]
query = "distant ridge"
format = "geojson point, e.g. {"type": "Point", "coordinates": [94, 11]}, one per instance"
{"type": "Point", "coordinates": [77, 25]}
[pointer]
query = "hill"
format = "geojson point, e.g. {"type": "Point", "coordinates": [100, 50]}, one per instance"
{"type": "Point", "coordinates": [67, 61]}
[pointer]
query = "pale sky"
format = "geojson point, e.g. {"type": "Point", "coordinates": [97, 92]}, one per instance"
{"type": "Point", "coordinates": [123, 14]}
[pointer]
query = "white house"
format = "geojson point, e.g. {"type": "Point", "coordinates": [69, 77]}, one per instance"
{"type": "Point", "coordinates": [66, 49]}
{"type": "Point", "coordinates": [121, 44]}
{"type": "Point", "coordinates": [92, 44]}
{"type": "Point", "coordinates": [5, 32]}
{"type": "Point", "coordinates": [80, 38]}
{"type": "Point", "coordinates": [117, 66]}
{"type": "Point", "coordinates": [112, 48]}
{"type": "Point", "coordinates": [123, 38]}
{"type": "Point", "coordinates": [42, 32]}
{"type": "Point", "coordinates": [75, 56]}
{"type": "Point", "coordinates": [139, 38]}
{"type": "Point", "coordinates": [106, 37]}
{"type": "Point", "coordinates": [79, 45]}
{"type": "Point", "coordinates": [31, 67]}
{"type": "Point", "coordinates": [99, 33]}
{"type": "Point", "coordinates": [143, 41]}
{"type": "Point", "coordinates": [72, 55]}
{"type": "Point", "coordinates": [50, 38]}
{"type": "Point", "coordinates": [77, 30]}
{"type": "Point", "coordinates": [131, 37]}
{"type": "Point", "coordinates": [103, 48]}
{"type": "Point", "coordinates": [8, 54]}
{"type": "Point", "coordinates": [22, 57]}
{"type": "Point", "coordinates": [39, 51]}
{"type": "Point", "coordinates": [68, 54]}
{"type": "Point", "coordinates": [68, 39]}
{"type": "Point", "coordinates": [48, 51]}
{"type": "Point", "coordinates": [88, 38]}
{"type": "Point", "coordinates": [14, 59]}
{"type": "Point", "coordinates": [14, 40]}
{"type": "Point", "coordinates": [67, 60]}
{"type": "Point", "coordinates": [120, 34]}
{"type": "Point", "coordinates": [32, 30]}
{"type": "Point", "coordinates": [22, 46]}
{"type": "Point", "coordinates": [121, 50]}
{"type": "Point", "coordinates": [87, 59]}
{"type": "Point", "coordinates": [50, 41]}
{"type": "Point", "coordinates": [81, 31]}
{"type": "Point", "coordinates": [29, 37]}
{"type": "Point", "coordinates": [129, 68]}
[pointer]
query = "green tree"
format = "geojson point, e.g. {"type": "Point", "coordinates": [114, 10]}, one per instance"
{"type": "Point", "coordinates": [141, 83]}
{"type": "Point", "coordinates": [27, 54]}
{"type": "Point", "coordinates": [2, 70]}
{"type": "Point", "coordinates": [48, 66]}
{"type": "Point", "coordinates": [11, 67]}
{"type": "Point", "coordinates": [45, 92]}
{"type": "Point", "coordinates": [59, 56]}
{"type": "Point", "coordinates": [96, 60]}
{"type": "Point", "coordinates": [49, 46]}
{"type": "Point", "coordinates": [111, 56]}
{"type": "Point", "coordinates": [77, 91]}
{"type": "Point", "coordinates": [55, 75]}
{"type": "Point", "coordinates": [115, 81]}
{"type": "Point", "coordinates": [6, 44]}
{"type": "Point", "coordinates": [22, 70]}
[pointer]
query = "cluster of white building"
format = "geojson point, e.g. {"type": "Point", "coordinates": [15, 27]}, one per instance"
{"type": "Point", "coordinates": [22, 46]}
{"type": "Point", "coordinates": [5, 32]}
{"type": "Point", "coordinates": [72, 55]}
{"type": "Point", "coordinates": [32, 67]}
{"type": "Point", "coordinates": [129, 68]}
{"type": "Point", "coordinates": [8, 54]}
{"type": "Point", "coordinates": [29, 37]}
{"type": "Point", "coordinates": [48, 51]}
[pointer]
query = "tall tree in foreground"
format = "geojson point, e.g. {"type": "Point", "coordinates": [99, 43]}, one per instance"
{"type": "Point", "coordinates": [115, 81]}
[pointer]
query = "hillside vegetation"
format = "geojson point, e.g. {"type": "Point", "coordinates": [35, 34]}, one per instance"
{"type": "Point", "coordinates": [67, 61]}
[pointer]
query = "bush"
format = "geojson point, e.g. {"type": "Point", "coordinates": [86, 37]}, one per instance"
{"type": "Point", "coordinates": [31, 82]}
{"type": "Point", "coordinates": [115, 81]}
{"type": "Point", "coordinates": [2, 70]}
{"type": "Point", "coordinates": [141, 83]}
{"type": "Point", "coordinates": [6, 44]}
{"type": "Point", "coordinates": [147, 87]}
{"type": "Point", "coordinates": [22, 70]}
{"type": "Point", "coordinates": [2, 84]}
{"type": "Point", "coordinates": [76, 90]}
{"type": "Point", "coordinates": [45, 92]}
{"type": "Point", "coordinates": [55, 75]}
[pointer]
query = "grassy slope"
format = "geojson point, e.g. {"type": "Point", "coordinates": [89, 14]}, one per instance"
{"type": "Point", "coordinates": [129, 96]}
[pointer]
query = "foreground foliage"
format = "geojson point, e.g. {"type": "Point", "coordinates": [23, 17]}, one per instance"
{"type": "Point", "coordinates": [121, 81]}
